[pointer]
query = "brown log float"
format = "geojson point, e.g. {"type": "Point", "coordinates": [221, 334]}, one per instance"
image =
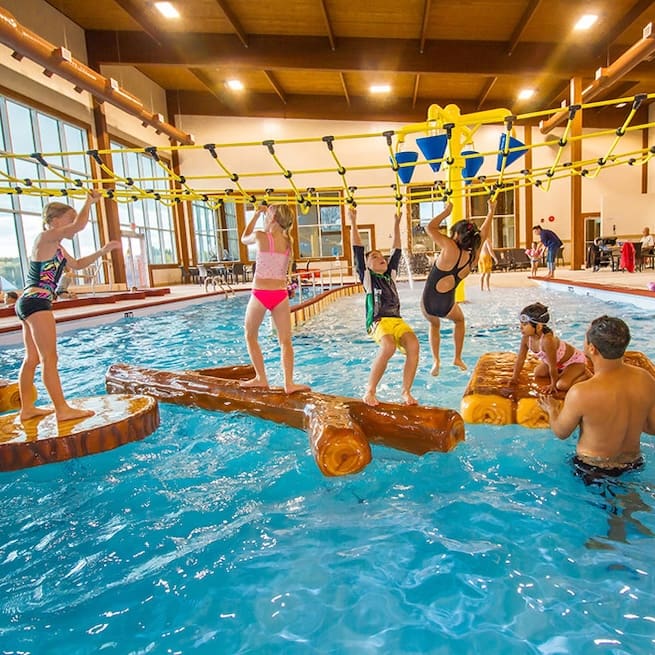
{"type": "Point", "coordinates": [118, 419]}
{"type": "Point", "coordinates": [339, 428]}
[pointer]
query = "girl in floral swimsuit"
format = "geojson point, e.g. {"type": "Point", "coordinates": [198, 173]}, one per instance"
{"type": "Point", "coordinates": [562, 362]}
{"type": "Point", "coordinates": [34, 307]}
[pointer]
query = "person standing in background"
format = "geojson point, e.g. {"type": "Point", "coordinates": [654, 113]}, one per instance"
{"type": "Point", "coordinates": [552, 243]}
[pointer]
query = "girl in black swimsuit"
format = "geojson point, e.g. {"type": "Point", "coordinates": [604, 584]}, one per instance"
{"type": "Point", "coordinates": [458, 255]}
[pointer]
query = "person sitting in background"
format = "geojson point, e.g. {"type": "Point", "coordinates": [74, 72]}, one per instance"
{"type": "Point", "coordinates": [10, 298]}
{"type": "Point", "coordinates": [64, 282]}
{"type": "Point", "coordinates": [647, 242]}
{"type": "Point", "coordinates": [593, 255]}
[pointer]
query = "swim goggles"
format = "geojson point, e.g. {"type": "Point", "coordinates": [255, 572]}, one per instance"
{"type": "Point", "coordinates": [524, 318]}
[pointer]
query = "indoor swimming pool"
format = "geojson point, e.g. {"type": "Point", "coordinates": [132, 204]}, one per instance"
{"type": "Point", "coordinates": [218, 533]}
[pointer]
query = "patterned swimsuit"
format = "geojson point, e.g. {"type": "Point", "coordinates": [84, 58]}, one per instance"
{"type": "Point", "coordinates": [40, 291]}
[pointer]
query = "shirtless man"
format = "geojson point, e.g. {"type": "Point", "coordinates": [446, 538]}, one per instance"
{"type": "Point", "coordinates": [612, 408]}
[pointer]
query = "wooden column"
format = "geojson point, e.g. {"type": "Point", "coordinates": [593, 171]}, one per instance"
{"type": "Point", "coordinates": [528, 215]}
{"type": "Point", "coordinates": [577, 221]}
{"type": "Point", "coordinates": [113, 228]}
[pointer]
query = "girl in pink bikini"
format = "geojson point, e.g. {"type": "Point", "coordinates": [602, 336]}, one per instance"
{"type": "Point", "coordinates": [563, 363]}
{"type": "Point", "coordinates": [270, 292]}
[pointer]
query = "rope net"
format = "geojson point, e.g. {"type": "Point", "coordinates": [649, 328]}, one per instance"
{"type": "Point", "coordinates": [261, 171]}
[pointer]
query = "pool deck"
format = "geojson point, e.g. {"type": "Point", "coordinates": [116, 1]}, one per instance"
{"type": "Point", "coordinates": [615, 285]}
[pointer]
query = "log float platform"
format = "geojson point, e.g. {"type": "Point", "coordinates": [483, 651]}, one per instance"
{"type": "Point", "coordinates": [118, 419]}
{"type": "Point", "coordinates": [490, 398]}
{"type": "Point", "coordinates": [340, 429]}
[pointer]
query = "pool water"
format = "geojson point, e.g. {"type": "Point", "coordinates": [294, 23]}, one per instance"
{"type": "Point", "coordinates": [218, 533]}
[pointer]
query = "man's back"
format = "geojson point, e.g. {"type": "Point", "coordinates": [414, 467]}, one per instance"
{"type": "Point", "coordinates": [616, 407]}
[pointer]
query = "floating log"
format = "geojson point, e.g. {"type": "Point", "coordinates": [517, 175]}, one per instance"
{"type": "Point", "coordinates": [9, 395]}
{"type": "Point", "coordinates": [118, 419]}
{"type": "Point", "coordinates": [339, 428]}
{"type": "Point", "coordinates": [489, 396]}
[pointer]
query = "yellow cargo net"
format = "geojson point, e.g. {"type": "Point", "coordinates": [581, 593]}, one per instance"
{"type": "Point", "coordinates": [410, 182]}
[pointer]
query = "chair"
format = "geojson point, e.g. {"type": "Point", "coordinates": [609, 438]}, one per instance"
{"type": "Point", "coordinates": [240, 270]}
{"type": "Point", "coordinates": [202, 273]}
{"type": "Point", "coordinates": [186, 275]}
{"type": "Point", "coordinates": [559, 259]}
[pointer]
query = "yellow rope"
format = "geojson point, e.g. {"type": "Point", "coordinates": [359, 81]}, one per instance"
{"type": "Point", "coordinates": [173, 188]}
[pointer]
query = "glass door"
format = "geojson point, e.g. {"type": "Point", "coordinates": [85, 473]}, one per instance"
{"type": "Point", "coordinates": [135, 255]}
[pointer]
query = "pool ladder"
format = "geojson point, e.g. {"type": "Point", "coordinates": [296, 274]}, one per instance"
{"type": "Point", "coordinates": [218, 281]}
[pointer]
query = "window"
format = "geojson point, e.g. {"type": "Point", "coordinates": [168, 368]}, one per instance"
{"type": "Point", "coordinates": [425, 205]}
{"type": "Point", "coordinates": [503, 233]}
{"type": "Point", "coordinates": [217, 236]}
{"type": "Point", "coordinates": [23, 131]}
{"type": "Point", "coordinates": [320, 229]}
{"type": "Point", "coordinates": [152, 218]}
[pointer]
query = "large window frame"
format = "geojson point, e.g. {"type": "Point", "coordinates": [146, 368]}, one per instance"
{"type": "Point", "coordinates": [425, 202]}
{"type": "Point", "coordinates": [26, 128]}
{"type": "Point", "coordinates": [320, 227]}
{"type": "Point", "coordinates": [504, 232]}
{"type": "Point", "coordinates": [216, 232]}
{"type": "Point", "coordinates": [149, 217]}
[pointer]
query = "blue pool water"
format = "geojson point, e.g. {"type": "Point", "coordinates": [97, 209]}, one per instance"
{"type": "Point", "coordinates": [218, 534]}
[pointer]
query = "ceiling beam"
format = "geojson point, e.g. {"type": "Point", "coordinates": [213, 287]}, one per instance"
{"type": "Point", "coordinates": [529, 12]}
{"type": "Point", "coordinates": [489, 84]}
{"type": "Point", "coordinates": [353, 54]}
{"type": "Point", "coordinates": [276, 86]}
{"type": "Point", "coordinates": [360, 108]}
{"type": "Point", "coordinates": [142, 20]}
{"type": "Point", "coordinates": [424, 25]}
{"type": "Point", "coordinates": [417, 82]}
{"type": "Point", "coordinates": [328, 26]}
{"type": "Point", "coordinates": [346, 94]}
{"type": "Point", "coordinates": [621, 25]}
{"type": "Point", "coordinates": [234, 22]}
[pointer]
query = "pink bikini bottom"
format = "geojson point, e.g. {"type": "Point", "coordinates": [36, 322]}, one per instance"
{"type": "Point", "coordinates": [270, 298]}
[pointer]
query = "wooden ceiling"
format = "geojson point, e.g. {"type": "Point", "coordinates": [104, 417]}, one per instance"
{"type": "Point", "coordinates": [317, 58]}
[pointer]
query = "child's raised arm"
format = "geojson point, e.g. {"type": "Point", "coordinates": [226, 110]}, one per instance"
{"type": "Point", "coordinates": [396, 231]}
{"type": "Point", "coordinates": [354, 236]}
{"type": "Point", "coordinates": [485, 228]}
{"type": "Point", "coordinates": [432, 228]}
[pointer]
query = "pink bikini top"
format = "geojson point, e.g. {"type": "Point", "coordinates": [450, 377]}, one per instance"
{"type": "Point", "coordinates": [272, 265]}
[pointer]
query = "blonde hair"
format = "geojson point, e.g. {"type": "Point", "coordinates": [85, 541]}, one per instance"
{"type": "Point", "coordinates": [284, 217]}
{"type": "Point", "coordinates": [53, 210]}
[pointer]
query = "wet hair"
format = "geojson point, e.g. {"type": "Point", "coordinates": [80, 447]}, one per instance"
{"type": "Point", "coordinates": [609, 335]}
{"type": "Point", "coordinates": [538, 315]}
{"type": "Point", "coordinates": [468, 235]}
{"type": "Point", "coordinates": [54, 210]}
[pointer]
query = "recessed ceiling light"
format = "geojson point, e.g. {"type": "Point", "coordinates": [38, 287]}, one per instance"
{"type": "Point", "coordinates": [235, 85]}
{"type": "Point", "coordinates": [380, 88]}
{"type": "Point", "coordinates": [621, 105]}
{"type": "Point", "coordinates": [585, 22]}
{"type": "Point", "coordinates": [167, 10]}
{"type": "Point", "coordinates": [524, 94]}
